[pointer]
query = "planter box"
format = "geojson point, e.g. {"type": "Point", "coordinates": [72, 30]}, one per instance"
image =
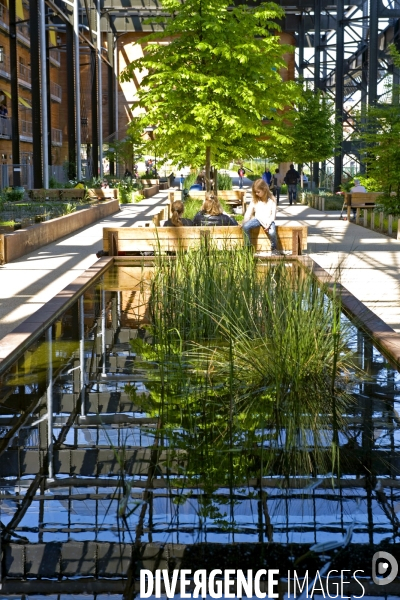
{"type": "Point", "coordinates": [150, 191]}
{"type": "Point", "coordinates": [16, 244]}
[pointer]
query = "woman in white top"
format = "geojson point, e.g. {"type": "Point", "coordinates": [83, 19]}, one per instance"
{"type": "Point", "coordinates": [261, 213]}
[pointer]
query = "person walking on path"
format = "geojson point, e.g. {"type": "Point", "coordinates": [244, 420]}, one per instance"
{"type": "Point", "coordinates": [241, 175]}
{"type": "Point", "coordinates": [267, 177]}
{"type": "Point", "coordinates": [292, 178]}
{"type": "Point", "coordinates": [176, 219]}
{"type": "Point", "coordinates": [261, 212]}
{"type": "Point", "coordinates": [181, 180]}
{"type": "Point", "coordinates": [278, 181]}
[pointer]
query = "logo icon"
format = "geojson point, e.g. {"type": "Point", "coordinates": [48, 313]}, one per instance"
{"type": "Point", "coordinates": [385, 565]}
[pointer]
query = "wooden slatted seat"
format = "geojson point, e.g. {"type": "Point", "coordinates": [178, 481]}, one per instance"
{"type": "Point", "coordinates": [122, 240]}
{"type": "Point", "coordinates": [360, 200]}
{"type": "Point", "coordinates": [102, 193]}
{"type": "Point", "coordinates": [73, 194]}
{"type": "Point", "coordinates": [42, 195]}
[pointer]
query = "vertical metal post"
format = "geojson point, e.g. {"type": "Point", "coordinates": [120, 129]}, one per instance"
{"type": "Point", "coordinates": [116, 72]}
{"type": "Point", "coordinates": [49, 340]}
{"type": "Point", "coordinates": [43, 90]}
{"type": "Point", "coordinates": [77, 92]}
{"type": "Point", "coordinates": [14, 90]}
{"type": "Point", "coordinates": [317, 69]}
{"type": "Point", "coordinates": [35, 74]}
{"type": "Point", "coordinates": [103, 330]}
{"type": "Point", "coordinates": [301, 46]}
{"type": "Point", "coordinates": [111, 92]}
{"type": "Point", "coordinates": [82, 354]}
{"type": "Point", "coordinates": [48, 92]}
{"type": "Point", "coordinates": [373, 51]}
{"type": "Point", "coordinates": [339, 90]}
{"type": "Point", "coordinates": [99, 89]}
{"type": "Point", "coordinates": [71, 103]}
{"type": "Point", "coordinates": [94, 107]}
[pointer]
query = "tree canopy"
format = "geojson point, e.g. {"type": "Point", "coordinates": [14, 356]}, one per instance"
{"type": "Point", "coordinates": [214, 90]}
{"type": "Point", "coordinates": [313, 129]}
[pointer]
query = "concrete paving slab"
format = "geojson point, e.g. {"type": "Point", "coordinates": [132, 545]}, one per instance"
{"type": "Point", "coordinates": [366, 262]}
{"type": "Point", "coordinates": [28, 283]}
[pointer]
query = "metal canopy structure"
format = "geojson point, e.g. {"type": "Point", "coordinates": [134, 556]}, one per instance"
{"type": "Point", "coordinates": [341, 49]}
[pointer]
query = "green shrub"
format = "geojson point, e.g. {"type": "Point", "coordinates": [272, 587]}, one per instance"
{"type": "Point", "coordinates": [224, 181]}
{"type": "Point", "coordinates": [189, 181]}
{"type": "Point", "coordinates": [14, 195]}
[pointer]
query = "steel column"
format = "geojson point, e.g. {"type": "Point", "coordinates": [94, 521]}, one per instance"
{"type": "Point", "coordinates": [48, 92]}
{"type": "Point", "coordinates": [100, 89]}
{"type": "Point", "coordinates": [317, 70]}
{"type": "Point", "coordinates": [373, 52]}
{"type": "Point", "coordinates": [14, 90]}
{"type": "Point", "coordinates": [77, 91]}
{"type": "Point", "coordinates": [71, 102]}
{"type": "Point", "coordinates": [339, 91]}
{"type": "Point", "coordinates": [94, 100]}
{"type": "Point", "coordinates": [43, 90]}
{"type": "Point", "coordinates": [35, 75]}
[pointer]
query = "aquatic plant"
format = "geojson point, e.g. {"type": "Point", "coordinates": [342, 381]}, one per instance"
{"type": "Point", "coordinates": [249, 367]}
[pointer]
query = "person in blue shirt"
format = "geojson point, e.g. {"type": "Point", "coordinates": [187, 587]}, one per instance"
{"type": "Point", "coordinates": [181, 180]}
{"type": "Point", "coordinates": [267, 176]}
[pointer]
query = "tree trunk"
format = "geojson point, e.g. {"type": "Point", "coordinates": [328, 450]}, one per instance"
{"type": "Point", "coordinates": [208, 167]}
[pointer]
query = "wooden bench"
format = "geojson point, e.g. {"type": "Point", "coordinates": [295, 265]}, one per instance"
{"type": "Point", "coordinates": [233, 198]}
{"type": "Point", "coordinates": [57, 194]}
{"type": "Point", "coordinates": [124, 240]}
{"type": "Point", "coordinates": [42, 195]}
{"type": "Point", "coordinates": [360, 200]}
{"type": "Point", "coordinates": [153, 217]}
{"type": "Point", "coordinates": [102, 193]}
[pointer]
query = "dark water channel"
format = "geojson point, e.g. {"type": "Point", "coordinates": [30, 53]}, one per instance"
{"type": "Point", "coordinates": [87, 481]}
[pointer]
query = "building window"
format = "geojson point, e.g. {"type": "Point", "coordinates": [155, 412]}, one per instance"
{"type": "Point", "coordinates": [1, 54]}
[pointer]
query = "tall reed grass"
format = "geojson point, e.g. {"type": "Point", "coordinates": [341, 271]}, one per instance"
{"type": "Point", "coordinates": [252, 367]}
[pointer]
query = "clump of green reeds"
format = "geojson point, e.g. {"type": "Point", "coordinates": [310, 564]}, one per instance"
{"type": "Point", "coordinates": [252, 366]}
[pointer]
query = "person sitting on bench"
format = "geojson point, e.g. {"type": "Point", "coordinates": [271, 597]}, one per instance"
{"type": "Point", "coordinates": [211, 213]}
{"type": "Point", "coordinates": [357, 188]}
{"type": "Point", "coordinates": [176, 219]}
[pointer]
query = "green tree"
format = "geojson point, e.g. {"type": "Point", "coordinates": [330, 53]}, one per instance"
{"type": "Point", "coordinates": [214, 87]}
{"type": "Point", "coordinates": [129, 149]}
{"type": "Point", "coordinates": [380, 136]}
{"type": "Point", "coordinates": [313, 130]}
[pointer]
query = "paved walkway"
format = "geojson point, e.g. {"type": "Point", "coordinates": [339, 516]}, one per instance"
{"type": "Point", "coordinates": [366, 262]}
{"type": "Point", "coordinates": [31, 281]}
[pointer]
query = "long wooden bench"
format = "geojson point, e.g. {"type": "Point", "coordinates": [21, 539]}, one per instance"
{"type": "Point", "coordinates": [102, 193]}
{"type": "Point", "coordinates": [42, 195]}
{"type": "Point", "coordinates": [291, 238]}
{"type": "Point", "coordinates": [360, 200]}
{"type": "Point", "coordinates": [72, 194]}
{"type": "Point", "coordinates": [233, 198]}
